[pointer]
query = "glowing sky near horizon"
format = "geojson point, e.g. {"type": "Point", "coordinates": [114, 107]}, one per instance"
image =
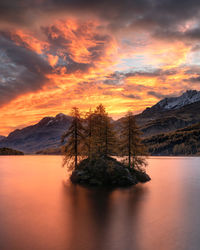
{"type": "Point", "coordinates": [58, 54]}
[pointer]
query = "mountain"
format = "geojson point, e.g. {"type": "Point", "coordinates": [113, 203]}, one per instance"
{"type": "Point", "coordinates": [167, 116]}
{"type": "Point", "coordinates": [159, 121]}
{"type": "Point", "coordinates": [2, 137]}
{"type": "Point", "coordinates": [45, 134]}
{"type": "Point", "coordinates": [172, 103]}
{"type": "Point", "coordinates": [160, 118]}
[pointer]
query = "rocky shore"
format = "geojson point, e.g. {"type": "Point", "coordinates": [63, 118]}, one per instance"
{"type": "Point", "coordinates": [106, 172]}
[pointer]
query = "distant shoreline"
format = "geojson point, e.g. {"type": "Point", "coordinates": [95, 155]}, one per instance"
{"type": "Point", "coordinates": [10, 151]}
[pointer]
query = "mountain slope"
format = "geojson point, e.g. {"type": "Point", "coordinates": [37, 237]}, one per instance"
{"type": "Point", "coordinates": [44, 134]}
{"type": "Point", "coordinates": [172, 103]}
{"type": "Point", "coordinates": [2, 137]}
{"type": "Point", "coordinates": [184, 141]}
{"type": "Point", "coordinates": [158, 119]}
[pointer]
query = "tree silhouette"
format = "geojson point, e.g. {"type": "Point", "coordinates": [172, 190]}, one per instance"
{"type": "Point", "coordinates": [110, 139]}
{"type": "Point", "coordinates": [100, 135]}
{"type": "Point", "coordinates": [131, 145]}
{"type": "Point", "coordinates": [99, 125]}
{"type": "Point", "coordinates": [97, 138]}
{"type": "Point", "coordinates": [88, 133]}
{"type": "Point", "coordinates": [74, 134]}
{"type": "Point", "coordinates": [92, 143]}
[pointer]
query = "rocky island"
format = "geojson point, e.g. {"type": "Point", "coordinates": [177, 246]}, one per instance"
{"type": "Point", "coordinates": [91, 145]}
{"type": "Point", "coordinates": [106, 172]}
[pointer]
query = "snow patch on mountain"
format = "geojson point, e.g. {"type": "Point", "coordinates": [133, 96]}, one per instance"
{"type": "Point", "coordinates": [190, 96]}
{"type": "Point", "coordinates": [50, 120]}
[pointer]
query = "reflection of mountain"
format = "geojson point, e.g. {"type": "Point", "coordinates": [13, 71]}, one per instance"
{"type": "Point", "coordinates": [167, 116]}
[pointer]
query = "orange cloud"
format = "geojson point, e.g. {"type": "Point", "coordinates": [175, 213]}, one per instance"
{"type": "Point", "coordinates": [82, 57]}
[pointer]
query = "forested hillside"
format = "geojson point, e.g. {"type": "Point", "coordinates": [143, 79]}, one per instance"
{"type": "Point", "coordinates": [184, 141]}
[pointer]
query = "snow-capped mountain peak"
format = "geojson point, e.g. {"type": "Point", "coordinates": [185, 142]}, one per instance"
{"type": "Point", "coordinates": [188, 97]}
{"type": "Point", "coordinates": [60, 116]}
{"type": "Point", "coordinates": [51, 121]}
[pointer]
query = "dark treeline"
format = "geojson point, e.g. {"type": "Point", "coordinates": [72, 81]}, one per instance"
{"type": "Point", "coordinates": [10, 151]}
{"type": "Point", "coordinates": [184, 141]}
{"type": "Point", "coordinates": [93, 136]}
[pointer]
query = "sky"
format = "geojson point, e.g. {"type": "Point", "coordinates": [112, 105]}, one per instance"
{"type": "Point", "coordinates": [127, 55]}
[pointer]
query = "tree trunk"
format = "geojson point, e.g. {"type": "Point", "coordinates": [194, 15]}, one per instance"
{"type": "Point", "coordinates": [90, 137]}
{"type": "Point", "coordinates": [76, 145]}
{"type": "Point", "coordinates": [106, 149]}
{"type": "Point", "coordinates": [129, 143]}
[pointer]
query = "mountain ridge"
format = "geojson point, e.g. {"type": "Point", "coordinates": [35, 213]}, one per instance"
{"type": "Point", "coordinates": [48, 131]}
{"type": "Point", "coordinates": [172, 103]}
{"type": "Point", "coordinates": [185, 141]}
{"type": "Point", "coordinates": [168, 120]}
{"type": "Point", "coordinates": [2, 137]}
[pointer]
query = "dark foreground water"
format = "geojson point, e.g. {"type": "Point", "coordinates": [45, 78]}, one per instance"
{"type": "Point", "coordinates": [40, 209]}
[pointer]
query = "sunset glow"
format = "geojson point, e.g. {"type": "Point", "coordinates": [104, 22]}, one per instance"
{"type": "Point", "coordinates": [67, 57]}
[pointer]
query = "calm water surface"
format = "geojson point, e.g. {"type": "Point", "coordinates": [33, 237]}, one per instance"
{"type": "Point", "coordinates": [40, 209]}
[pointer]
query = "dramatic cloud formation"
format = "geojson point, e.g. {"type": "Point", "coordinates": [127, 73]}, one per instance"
{"type": "Point", "coordinates": [124, 54]}
{"type": "Point", "coordinates": [21, 70]}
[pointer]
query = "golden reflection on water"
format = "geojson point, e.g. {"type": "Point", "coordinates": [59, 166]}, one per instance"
{"type": "Point", "coordinates": [41, 209]}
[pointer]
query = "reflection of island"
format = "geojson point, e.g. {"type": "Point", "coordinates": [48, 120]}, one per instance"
{"type": "Point", "coordinates": [103, 219]}
{"type": "Point", "coordinates": [10, 151]}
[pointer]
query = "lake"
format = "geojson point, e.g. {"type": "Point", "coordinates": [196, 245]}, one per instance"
{"type": "Point", "coordinates": [41, 209]}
